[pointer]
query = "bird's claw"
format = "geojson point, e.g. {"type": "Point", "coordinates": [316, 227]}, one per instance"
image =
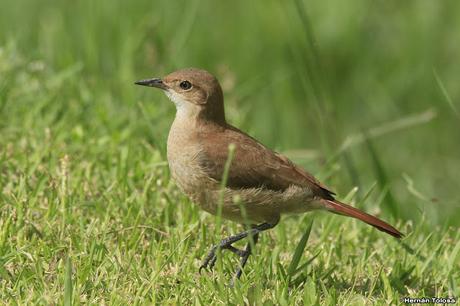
{"type": "Point", "coordinates": [211, 258]}
{"type": "Point", "coordinates": [226, 244]}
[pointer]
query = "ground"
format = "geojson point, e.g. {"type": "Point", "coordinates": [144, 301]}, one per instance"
{"type": "Point", "coordinates": [363, 95]}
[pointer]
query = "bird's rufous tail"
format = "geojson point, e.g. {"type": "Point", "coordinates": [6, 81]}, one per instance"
{"type": "Point", "coordinates": [347, 210]}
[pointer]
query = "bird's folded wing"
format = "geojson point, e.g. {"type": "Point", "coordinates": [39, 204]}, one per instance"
{"type": "Point", "coordinates": [253, 165]}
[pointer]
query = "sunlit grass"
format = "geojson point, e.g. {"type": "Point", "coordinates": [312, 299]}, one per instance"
{"type": "Point", "coordinates": [88, 213]}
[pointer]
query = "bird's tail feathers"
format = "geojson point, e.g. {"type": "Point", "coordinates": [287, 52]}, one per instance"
{"type": "Point", "coordinates": [347, 210]}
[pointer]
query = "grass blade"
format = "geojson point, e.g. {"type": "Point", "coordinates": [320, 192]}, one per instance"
{"type": "Point", "coordinates": [388, 128]}
{"type": "Point", "coordinates": [382, 179]}
{"type": "Point", "coordinates": [445, 93]}
{"type": "Point", "coordinates": [307, 263]}
{"type": "Point", "coordinates": [68, 286]}
{"type": "Point", "coordinates": [298, 251]}
{"type": "Point", "coordinates": [223, 184]}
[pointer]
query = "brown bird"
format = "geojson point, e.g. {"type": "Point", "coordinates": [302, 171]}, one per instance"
{"type": "Point", "coordinates": [266, 183]}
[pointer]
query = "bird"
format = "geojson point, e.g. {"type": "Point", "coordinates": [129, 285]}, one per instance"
{"type": "Point", "coordinates": [261, 184]}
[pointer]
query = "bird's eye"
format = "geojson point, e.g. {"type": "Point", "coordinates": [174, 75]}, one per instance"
{"type": "Point", "coordinates": [185, 85]}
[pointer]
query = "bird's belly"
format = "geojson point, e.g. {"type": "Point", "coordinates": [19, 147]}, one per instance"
{"type": "Point", "coordinates": [252, 205]}
{"type": "Point", "coordinates": [265, 205]}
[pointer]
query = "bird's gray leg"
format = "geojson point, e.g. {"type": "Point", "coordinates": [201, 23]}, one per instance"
{"type": "Point", "coordinates": [226, 244]}
{"type": "Point", "coordinates": [244, 258]}
{"type": "Point", "coordinates": [212, 261]}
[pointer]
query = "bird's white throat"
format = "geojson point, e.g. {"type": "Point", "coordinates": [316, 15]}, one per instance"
{"type": "Point", "coordinates": [184, 108]}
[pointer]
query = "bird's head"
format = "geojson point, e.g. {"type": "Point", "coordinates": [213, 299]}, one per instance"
{"type": "Point", "coordinates": [195, 92]}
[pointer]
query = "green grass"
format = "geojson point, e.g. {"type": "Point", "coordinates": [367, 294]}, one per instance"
{"type": "Point", "coordinates": [363, 94]}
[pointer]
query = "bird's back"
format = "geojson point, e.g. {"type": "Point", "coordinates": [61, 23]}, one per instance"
{"type": "Point", "coordinates": [253, 164]}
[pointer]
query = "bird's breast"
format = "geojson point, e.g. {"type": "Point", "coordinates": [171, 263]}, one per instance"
{"type": "Point", "coordinates": [183, 159]}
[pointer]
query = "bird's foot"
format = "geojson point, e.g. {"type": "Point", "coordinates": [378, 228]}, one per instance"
{"type": "Point", "coordinates": [226, 244]}
{"type": "Point", "coordinates": [244, 255]}
{"type": "Point", "coordinates": [211, 258]}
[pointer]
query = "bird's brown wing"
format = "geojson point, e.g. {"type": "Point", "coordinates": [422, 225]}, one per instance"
{"type": "Point", "coordinates": [253, 164]}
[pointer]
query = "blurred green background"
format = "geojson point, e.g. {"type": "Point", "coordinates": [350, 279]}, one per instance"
{"type": "Point", "coordinates": [361, 93]}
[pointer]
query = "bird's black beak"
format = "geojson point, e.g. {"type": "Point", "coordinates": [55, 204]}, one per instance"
{"type": "Point", "coordinates": [155, 82]}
